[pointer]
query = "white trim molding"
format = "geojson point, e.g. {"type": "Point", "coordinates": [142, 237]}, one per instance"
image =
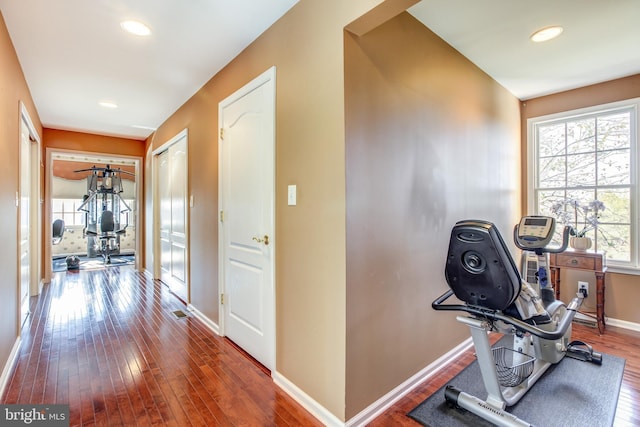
{"type": "Point", "coordinates": [624, 324]}
{"type": "Point", "coordinates": [208, 322]}
{"type": "Point", "coordinates": [307, 402]}
{"type": "Point", "coordinates": [385, 402]}
{"type": "Point", "coordinates": [8, 367]}
{"type": "Point", "coordinates": [379, 406]}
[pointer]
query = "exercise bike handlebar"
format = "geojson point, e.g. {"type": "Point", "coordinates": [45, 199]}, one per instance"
{"type": "Point", "coordinates": [490, 314]}
{"type": "Point", "coordinates": [568, 230]}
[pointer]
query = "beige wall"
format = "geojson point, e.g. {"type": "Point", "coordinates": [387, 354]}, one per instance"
{"type": "Point", "coordinates": [431, 140]}
{"type": "Point", "coordinates": [622, 290]}
{"type": "Point", "coordinates": [306, 46]}
{"type": "Point", "coordinates": [13, 90]}
{"type": "Point", "coordinates": [91, 143]}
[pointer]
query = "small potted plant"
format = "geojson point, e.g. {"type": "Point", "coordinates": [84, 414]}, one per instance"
{"type": "Point", "coordinates": [582, 217]}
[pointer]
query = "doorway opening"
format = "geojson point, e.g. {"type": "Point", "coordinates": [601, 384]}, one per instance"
{"type": "Point", "coordinates": [80, 187]}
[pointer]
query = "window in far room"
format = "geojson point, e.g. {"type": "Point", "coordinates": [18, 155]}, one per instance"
{"type": "Point", "coordinates": [67, 210]}
{"type": "Point", "coordinates": [588, 155]}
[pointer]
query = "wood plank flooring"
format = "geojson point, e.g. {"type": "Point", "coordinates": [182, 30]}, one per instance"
{"type": "Point", "coordinates": [107, 343]}
{"type": "Point", "coordinates": [614, 341]}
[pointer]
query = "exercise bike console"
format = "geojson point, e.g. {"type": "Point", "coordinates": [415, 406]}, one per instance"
{"type": "Point", "coordinates": [534, 231]}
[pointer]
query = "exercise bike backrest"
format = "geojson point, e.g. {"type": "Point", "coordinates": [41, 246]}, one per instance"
{"type": "Point", "coordinates": [481, 272]}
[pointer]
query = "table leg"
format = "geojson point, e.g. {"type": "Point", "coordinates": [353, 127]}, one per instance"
{"type": "Point", "coordinates": [555, 280]}
{"type": "Point", "coordinates": [600, 301]}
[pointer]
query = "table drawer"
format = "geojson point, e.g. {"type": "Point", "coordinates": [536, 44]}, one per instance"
{"type": "Point", "coordinates": [568, 260]}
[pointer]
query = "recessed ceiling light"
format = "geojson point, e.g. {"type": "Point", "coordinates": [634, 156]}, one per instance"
{"type": "Point", "coordinates": [547, 33]}
{"type": "Point", "coordinates": [108, 104]}
{"type": "Point", "coordinates": [135, 27]}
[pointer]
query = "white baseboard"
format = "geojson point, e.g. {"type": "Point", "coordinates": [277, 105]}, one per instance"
{"type": "Point", "coordinates": [379, 406]}
{"type": "Point", "coordinates": [624, 324]}
{"type": "Point", "coordinates": [385, 402]}
{"type": "Point", "coordinates": [8, 367]}
{"type": "Point", "coordinates": [317, 410]}
{"type": "Point", "coordinates": [208, 322]}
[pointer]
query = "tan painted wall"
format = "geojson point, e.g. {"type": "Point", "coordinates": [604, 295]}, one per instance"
{"type": "Point", "coordinates": [13, 90]}
{"type": "Point", "coordinates": [622, 290]}
{"type": "Point", "coordinates": [87, 142]}
{"type": "Point", "coordinates": [306, 46]}
{"type": "Point", "coordinates": [431, 140]}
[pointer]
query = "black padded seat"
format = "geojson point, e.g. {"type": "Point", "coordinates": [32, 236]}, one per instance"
{"type": "Point", "coordinates": [512, 311]}
{"type": "Point", "coordinates": [107, 223]}
{"type": "Point", "coordinates": [57, 231]}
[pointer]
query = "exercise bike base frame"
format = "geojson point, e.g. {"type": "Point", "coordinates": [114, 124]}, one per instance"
{"type": "Point", "coordinates": [499, 417]}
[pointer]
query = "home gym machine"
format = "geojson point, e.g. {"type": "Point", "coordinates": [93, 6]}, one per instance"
{"type": "Point", "coordinates": [481, 273]}
{"type": "Point", "coordinates": [104, 209]}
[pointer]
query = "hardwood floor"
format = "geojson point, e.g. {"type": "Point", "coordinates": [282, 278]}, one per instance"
{"type": "Point", "coordinates": [615, 341]}
{"type": "Point", "coordinates": [107, 343]}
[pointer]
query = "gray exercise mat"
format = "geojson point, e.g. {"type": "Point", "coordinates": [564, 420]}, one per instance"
{"type": "Point", "coordinates": [570, 393]}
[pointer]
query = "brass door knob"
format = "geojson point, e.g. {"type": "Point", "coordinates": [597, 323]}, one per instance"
{"type": "Point", "coordinates": [264, 239]}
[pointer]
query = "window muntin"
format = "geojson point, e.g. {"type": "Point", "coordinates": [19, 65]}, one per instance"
{"type": "Point", "coordinates": [67, 210]}
{"type": "Point", "coordinates": [587, 155]}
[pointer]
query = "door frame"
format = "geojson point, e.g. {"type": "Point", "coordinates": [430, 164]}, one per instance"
{"type": "Point", "coordinates": [268, 75]}
{"type": "Point", "coordinates": [157, 265]}
{"type": "Point", "coordinates": [91, 157]}
{"type": "Point", "coordinates": [35, 210]}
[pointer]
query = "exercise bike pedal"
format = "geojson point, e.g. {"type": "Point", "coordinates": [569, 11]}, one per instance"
{"type": "Point", "coordinates": [582, 351]}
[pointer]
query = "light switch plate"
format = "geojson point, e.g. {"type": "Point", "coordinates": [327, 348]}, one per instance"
{"type": "Point", "coordinates": [291, 195]}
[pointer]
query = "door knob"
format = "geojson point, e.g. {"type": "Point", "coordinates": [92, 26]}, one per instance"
{"type": "Point", "coordinates": [264, 239]}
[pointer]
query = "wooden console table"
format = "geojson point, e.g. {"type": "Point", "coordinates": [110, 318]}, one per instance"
{"type": "Point", "coordinates": [586, 261]}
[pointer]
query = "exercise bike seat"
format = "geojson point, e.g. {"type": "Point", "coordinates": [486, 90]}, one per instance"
{"type": "Point", "coordinates": [543, 319]}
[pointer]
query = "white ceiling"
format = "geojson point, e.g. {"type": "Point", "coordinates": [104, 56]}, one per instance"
{"type": "Point", "coordinates": [74, 53]}
{"type": "Point", "coordinates": [600, 42]}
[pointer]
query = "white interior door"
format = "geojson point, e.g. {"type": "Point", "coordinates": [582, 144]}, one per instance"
{"type": "Point", "coordinates": [25, 213]}
{"type": "Point", "coordinates": [172, 195]}
{"type": "Point", "coordinates": [247, 141]}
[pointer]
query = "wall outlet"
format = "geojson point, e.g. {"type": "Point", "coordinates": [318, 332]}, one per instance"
{"type": "Point", "coordinates": [583, 288]}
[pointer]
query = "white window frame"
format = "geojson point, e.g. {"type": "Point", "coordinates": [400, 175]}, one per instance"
{"type": "Point", "coordinates": [74, 211]}
{"type": "Point", "coordinates": [632, 267]}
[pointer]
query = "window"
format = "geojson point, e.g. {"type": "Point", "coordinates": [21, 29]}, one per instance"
{"type": "Point", "coordinates": [588, 155]}
{"type": "Point", "coordinates": [67, 210]}
{"type": "Point", "coordinates": [128, 217]}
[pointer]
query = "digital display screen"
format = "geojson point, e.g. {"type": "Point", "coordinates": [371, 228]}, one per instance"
{"type": "Point", "coordinates": [540, 222]}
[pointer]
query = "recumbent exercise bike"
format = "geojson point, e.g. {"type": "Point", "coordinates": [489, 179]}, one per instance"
{"type": "Point", "coordinates": [481, 273]}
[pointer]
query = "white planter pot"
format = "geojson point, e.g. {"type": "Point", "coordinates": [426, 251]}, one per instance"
{"type": "Point", "coordinates": [580, 243]}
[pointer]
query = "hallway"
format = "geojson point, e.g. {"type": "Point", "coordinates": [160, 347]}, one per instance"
{"type": "Point", "coordinates": [108, 343]}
